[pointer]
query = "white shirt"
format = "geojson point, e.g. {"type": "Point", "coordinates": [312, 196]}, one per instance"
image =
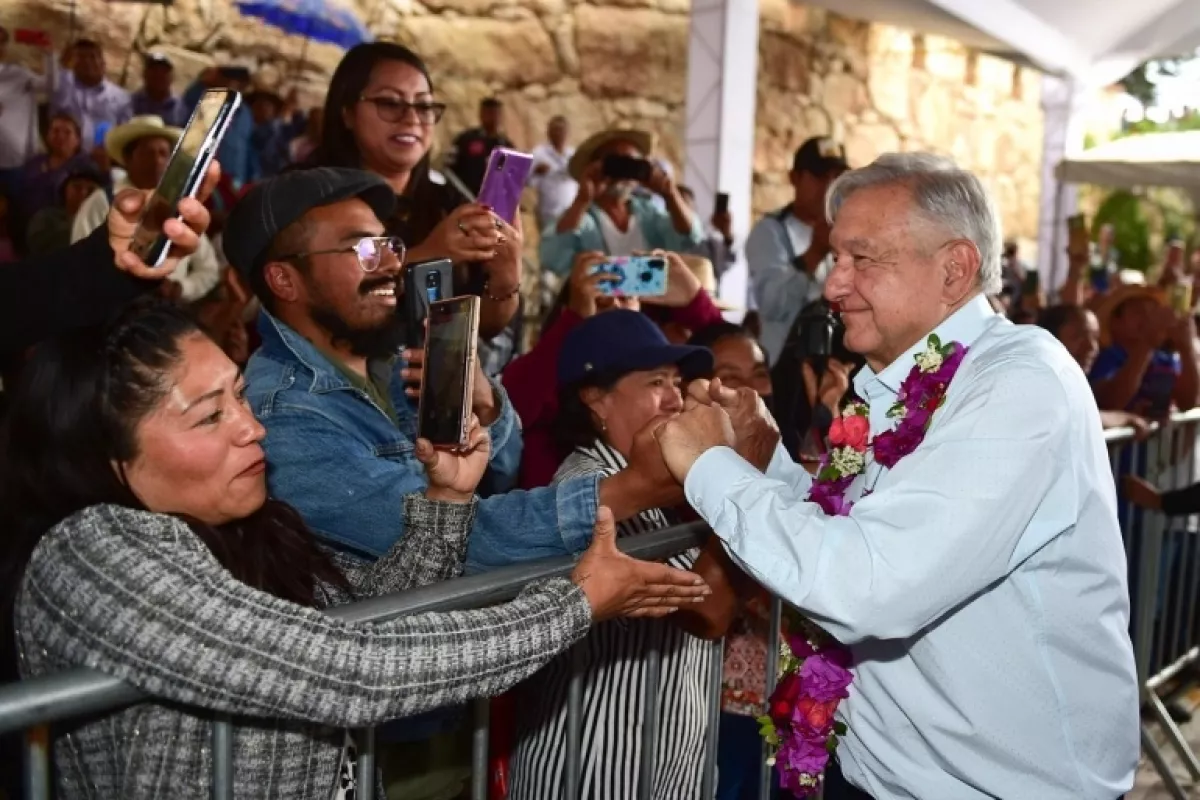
{"type": "Point", "coordinates": [556, 188]}
{"type": "Point", "coordinates": [777, 288]}
{"type": "Point", "coordinates": [616, 241]}
{"type": "Point", "coordinates": [198, 274]}
{"type": "Point", "coordinates": [981, 586]}
{"type": "Point", "coordinates": [18, 115]}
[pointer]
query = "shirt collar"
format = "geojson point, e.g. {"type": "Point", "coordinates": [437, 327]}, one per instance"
{"type": "Point", "coordinates": [963, 326]}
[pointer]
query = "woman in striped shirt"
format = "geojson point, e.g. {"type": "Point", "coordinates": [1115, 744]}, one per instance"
{"type": "Point", "coordinates": [620, 378]}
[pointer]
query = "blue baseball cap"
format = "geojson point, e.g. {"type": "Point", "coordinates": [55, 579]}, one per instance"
{"type": "Point", "coordinates": [621, 341]}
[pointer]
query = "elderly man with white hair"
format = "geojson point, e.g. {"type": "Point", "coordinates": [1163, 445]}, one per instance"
{"type": "Point", "coordinates": [962, 539]}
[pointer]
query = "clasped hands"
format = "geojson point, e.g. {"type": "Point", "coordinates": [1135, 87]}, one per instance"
{"type": "Point", "coordinates": [714, 416]}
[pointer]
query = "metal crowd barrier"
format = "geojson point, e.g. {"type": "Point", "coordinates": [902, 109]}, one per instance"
{"type": "Point", "coordinates": [1164, 581]}
{"type": "Point", "coordinates": [1164, 575]}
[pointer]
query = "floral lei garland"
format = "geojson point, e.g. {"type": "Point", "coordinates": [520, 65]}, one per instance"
{"type": "Point", "coordinates": [814, 669]}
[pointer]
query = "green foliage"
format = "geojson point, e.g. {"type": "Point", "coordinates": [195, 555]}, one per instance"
{"type": "Point", "coordinates": [1131, 230]}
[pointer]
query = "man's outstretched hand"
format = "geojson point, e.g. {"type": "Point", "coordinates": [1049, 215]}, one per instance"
{"type": "Point", "coordinates": [184, 233]}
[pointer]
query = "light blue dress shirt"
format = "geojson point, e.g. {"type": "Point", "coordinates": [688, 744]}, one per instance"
{"type": "Point", "coordinates": [981, 585]}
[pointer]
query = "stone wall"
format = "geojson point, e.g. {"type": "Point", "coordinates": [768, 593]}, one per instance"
{"type": "Point", "coordinates": [623, 62]}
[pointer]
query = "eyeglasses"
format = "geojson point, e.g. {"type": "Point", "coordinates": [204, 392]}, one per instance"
{"type": "Point", "coordinates": [369, 250]}
{"type": "Point", "coordinates": [392, 109]}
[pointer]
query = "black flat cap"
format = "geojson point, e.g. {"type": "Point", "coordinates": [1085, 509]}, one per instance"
{"type": "Point", "coordinates": [272, 205]}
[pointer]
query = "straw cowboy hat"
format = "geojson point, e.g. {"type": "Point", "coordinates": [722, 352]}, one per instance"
{"type": "Point", "coordinates": [1105, 306]}
{"type": "Point", "coordinates": [586, 152]}
{"type": "Point", "coordinates": [122, 136]}
{"type": "Point", "coordinates": [702, 268]}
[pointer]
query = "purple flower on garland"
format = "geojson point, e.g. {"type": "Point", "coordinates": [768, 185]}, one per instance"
{"type": "Point", "coordinates": [801, 759]}
{"type": "Point", "coordinates": [823, 680]}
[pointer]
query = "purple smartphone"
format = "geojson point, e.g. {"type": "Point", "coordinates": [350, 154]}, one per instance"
{"type": "Point", "coordinates": [504, 181]}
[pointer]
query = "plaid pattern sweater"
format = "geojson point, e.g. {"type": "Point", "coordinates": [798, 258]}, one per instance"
{"type": "Point", "coordinates": [139, 596]}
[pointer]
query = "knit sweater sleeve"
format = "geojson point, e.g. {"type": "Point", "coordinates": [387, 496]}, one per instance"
{"type": "Point", "coordinates": [432, 549]}
{"type": "Point", "coordinates": [138, 596]}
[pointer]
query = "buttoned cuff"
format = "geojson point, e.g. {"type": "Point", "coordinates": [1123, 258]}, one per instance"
{"type": "Point", "coordinates": [501, 429]}
{"type": "Point", "coordinates": [577, 501]}
{"type": "Point", "coordinates": [711, 477]}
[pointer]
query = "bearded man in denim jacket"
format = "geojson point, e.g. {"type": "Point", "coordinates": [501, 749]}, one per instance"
{"type": "Point", "coordinates": [330, 389]}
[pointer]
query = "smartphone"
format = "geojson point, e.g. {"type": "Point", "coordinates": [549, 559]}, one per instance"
{"type": "Point", "coordinates": [1179, 295]}
{"type": "Point", "coordinates": [193, 153]}
{"type": "Point", "coordinates": [627, 168]}
{"type": "Point", "coordinates": [424, 283]}
{"type": "Point", "coordinates": [444, 410]}
{"type": "Point", "coordinates": [239, 74]}
{"type": "Point", "coordinates": [1032, 283]}
{"type": "Point", "coordinates": [503, 182]}
{"type": "Point", "coordinates": [100, 133]}
{"type": "Point", "coordinates": [31, 36]}
{"type": "Point", "coordinates": [636, 276]}
{"type": "Point", "coordinates": [722, 204]}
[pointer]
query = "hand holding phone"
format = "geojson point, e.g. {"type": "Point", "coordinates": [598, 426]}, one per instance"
{"type": "Point", "coordinates": [424, 283]}
{"type": "Point", "coordinates": [627, 168]}
{"type": "Point", "coordinates": [503, 182]}
{"type": "Point", "coordinates": [194, 151]}
{"type": "Point", "coordinates": [636, 276]}
{"type": "Point", "coordinates": [449, 372]}
{"type": "Point", "coordinates": [722, 203]}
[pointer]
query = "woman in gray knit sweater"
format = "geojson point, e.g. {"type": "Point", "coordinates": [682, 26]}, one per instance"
{"type": "Point", "coordinates": [142, 544]}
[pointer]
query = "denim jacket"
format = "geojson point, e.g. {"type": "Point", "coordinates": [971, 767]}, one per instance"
{"type": "Point", "coordinates": [338, 459]}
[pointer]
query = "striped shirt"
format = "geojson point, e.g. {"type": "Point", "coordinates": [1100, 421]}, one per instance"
{"type": "Point", "coordinates": [616, 688]}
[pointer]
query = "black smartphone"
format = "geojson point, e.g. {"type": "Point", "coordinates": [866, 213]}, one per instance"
{"type": "Point", "coordinates": [1032, 283]}
{"type": "Point", "coordinates": [424, 283]}
{"type": "Point", "coordinates": [238, 74]}
{"type": "Point", "coordinates": [194, 151]}
{"type": "Point", "coordinates": [722, 205]}
{"type": "Point", "coordinates": [627, 168]}
{"type": "Point", "coordinates": [450, 351]}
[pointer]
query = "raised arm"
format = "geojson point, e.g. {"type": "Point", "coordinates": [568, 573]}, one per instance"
{"type": "Point", "coordinates": [138, 596]}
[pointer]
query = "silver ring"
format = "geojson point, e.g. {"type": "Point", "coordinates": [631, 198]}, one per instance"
{"type": "Point", "coordinates": [499, 225]}
{"type": "Point", "coordinates": [463, 228]}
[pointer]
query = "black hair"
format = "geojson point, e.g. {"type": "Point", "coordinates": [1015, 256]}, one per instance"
{"type": "Point", "coordinates": [86, 44]}
{"type": "Point", "coordinates": [491, 102]}
{"type": "Point", "coordinates": [710, 335]}
{"type": "Point", "coordinates": [74, 415]}
{"type": "Point", "coordinates": [1054, 318]}
{"type": "Point", "coordinates": [573, 424]}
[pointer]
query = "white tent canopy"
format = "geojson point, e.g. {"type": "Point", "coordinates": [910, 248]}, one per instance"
{"type": "Point", "coordinates": [1150, 159]}
{"type": "Point", "coordinates": [1094, 42]}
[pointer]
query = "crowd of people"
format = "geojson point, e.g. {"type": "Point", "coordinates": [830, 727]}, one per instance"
{"type": "Point", "coordinates": [199, 458]}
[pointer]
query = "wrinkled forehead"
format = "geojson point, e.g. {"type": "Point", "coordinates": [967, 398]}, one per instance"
{"type": "Point", "coordinates": [880, 215]}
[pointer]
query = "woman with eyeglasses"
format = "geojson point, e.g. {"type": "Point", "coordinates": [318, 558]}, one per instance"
{"type": "Point", "coordinates": [380, 114]}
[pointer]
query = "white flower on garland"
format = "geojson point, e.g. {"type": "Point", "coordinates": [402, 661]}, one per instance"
{"type": "Point", "coordinates": [847, 461]}
{"type": "Point", "coordinates": [931, 359]}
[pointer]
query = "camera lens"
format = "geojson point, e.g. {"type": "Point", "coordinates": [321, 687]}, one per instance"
{"type": "Point", "coordinates": [433, 279]}
{"type": "Point", "coordinates": [501, 161]}
{"type": "Point", "coordinates": [657, 263]}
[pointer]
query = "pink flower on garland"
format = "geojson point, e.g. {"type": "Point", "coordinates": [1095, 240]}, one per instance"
{"type": "Point", "coordinates": [850, 430]}
{"type": "Point", "coordinates": [824, 680]}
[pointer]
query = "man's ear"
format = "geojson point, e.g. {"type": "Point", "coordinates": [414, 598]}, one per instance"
{"type": "Point", "coordinates": [283, 280]}
{"type": "Point", "coordinates": [961, 269]}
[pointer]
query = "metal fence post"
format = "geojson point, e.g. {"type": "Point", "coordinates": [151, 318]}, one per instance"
{"type": "Point", "coordinates": [364, 768]}
{"type": "Point", "coordinates": [37, 763]}
{"type": "Point", "coordinates": [572, 777]}
{"type": "Point", "coordinates": [649, 724]}
{"type": "Point", "coordinates": [479, 748]}
{"type": "Point", "coordinates": [222, 745]}
{"type": "Point", "coordinates": [708, 775]}
{"type": "Point", "coordinates": [773, 644]}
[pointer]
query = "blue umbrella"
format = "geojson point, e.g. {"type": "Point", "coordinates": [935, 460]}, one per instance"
{"type": "Point", "coordinates": [321, 20]}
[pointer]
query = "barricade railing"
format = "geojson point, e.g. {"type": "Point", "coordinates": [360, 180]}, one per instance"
{"type": "Point", "coordinates": [1164, 575]}
{"type": "Point", "coordinates": [1164, 580]}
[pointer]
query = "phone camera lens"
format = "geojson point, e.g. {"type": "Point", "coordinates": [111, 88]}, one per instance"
{"type": "Point", "coordinates": [646, 276]}
{"type": "Point", "coordinates": [657, 263]}
{"type": "Point", "coordinates": [433, 280]}
{"type": "Point", "coordinates": [501, 161]}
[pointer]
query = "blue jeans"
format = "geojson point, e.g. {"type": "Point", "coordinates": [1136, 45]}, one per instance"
{"type": "Point", "coordinates": [739, 759]}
